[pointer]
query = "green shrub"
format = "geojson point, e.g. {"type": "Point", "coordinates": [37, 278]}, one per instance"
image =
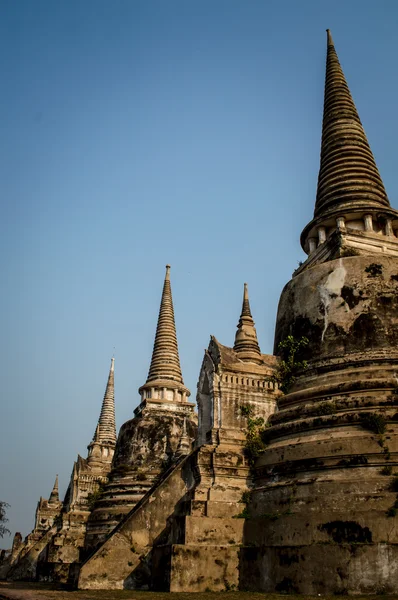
{"type": "Point", "coordinates": [325, 408]}
{"type": "Point", "coordinates": [387, 470]}
{"type": "Point", "coordinates": [290, 364]}
{"type": "Point", "coordinates": [93, 497]}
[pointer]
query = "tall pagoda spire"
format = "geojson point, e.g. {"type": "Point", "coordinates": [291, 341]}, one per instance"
{"type": "Point", "coordinates": [106, 428]}
{"type": "Point", "coordinates": [54, 496]}
{"type": "Point", "coordinates": [164, 381]}
{"type": "Point", "coordinates": [165, 363]}
{"type": "Point", "coordinates": [102, 446]}
{"type": "Point", "coordinates": [246, 342]}
{"type": "Point", "coordinates": [349, 183]}
{"type": "Point", "coordinates": [348, 171]}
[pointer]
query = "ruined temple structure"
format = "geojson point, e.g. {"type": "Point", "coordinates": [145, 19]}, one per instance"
{"type": "Point", "coordinates": [58, 535]}
{"type": "Point", "coordinates": [183, 534]}
{"type": "Point", "coordinates": [162, 430]}
{"type": "Point", "coordinates": [326, 480]}
{"type": "Point", "coordinates": [320, 500]}
{"type": "Point", "coordinates": [289, 483]}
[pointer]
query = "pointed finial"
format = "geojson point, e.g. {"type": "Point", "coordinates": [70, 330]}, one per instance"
{"type": "Point", "coordinates": [106, 428]}
{"type": "Point", "coordinates": [165, 363]}
{"type": "Point", "coordinates": [246, 304]}
{"type": "Point", "coordinates": [348, 181]}
{"type": "Point", "coordinates": [54, 496]}
{"type": "Point", "coordinates": [348, 172]}
{"type": "Point", "coordinates": [246, 343]}
{"type": "Point", "coordinates": [329, 38]}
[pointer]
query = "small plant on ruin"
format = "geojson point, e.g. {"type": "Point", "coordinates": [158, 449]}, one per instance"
{"type": "Point", "coordinates": [245, 513]}
{"type": "Point", "coordinates": [93, 497]}
{"type": "Point", "coordinates": [255, 426]}
{"type": "Point", "coordinates": [254, 445]}
{"type": "Point", "coordinates": [246, 497]}
{"type": "Point", "coordinates": [325, 408]}
{"type": "Point", "coordinates": [374, 422]}
{"type": "Point", "coordinates": [271, 516]}
{"type": "Point", "coordinates": [387, 470]}
{"type": "Point", "coordinates": [290, 364]}
{"type": "Point", "coordinates": [394, 484]}
{"type": "Point", "coordinates": [392, 511]}
{"type": "Point", "coordinates": [141, 476]}
{"type": "Point", "coordinates": [374, 270]}
{"type": "Point", "coordinates": [246, 410]}
{"type": "Point", "coordinates": [3, 519]}
{"type": "Point", "coordinates": [387, 453]}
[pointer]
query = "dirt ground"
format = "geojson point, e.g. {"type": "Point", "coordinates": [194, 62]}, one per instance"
{"type": "Point", "coordinates": [34, 591]}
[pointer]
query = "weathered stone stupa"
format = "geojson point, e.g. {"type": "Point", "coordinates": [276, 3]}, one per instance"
{"type": "Point", "coordinates": [291, 485]}
{"type": "Point", "coordinates": [324, 489]}
{"type": "Point", "coordinates": [58, 536]}
{"type": "Point", "coordinates": [183, 535]}
{"type": "Point", "coordinates": [149, 443]}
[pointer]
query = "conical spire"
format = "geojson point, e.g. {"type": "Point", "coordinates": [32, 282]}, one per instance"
{"type": "Point", "coordinates": [165, 363]}
{"type": "Point", "coordinates": [349, 185]}
{"type": "Point", "coordinates": [348, 176]}
{"type": "Point", "coordinates": [106, 429]}
{"type": "Point", "coordinates": [246, 343]}
{"type": "Point", "coordinates": [54, 496]}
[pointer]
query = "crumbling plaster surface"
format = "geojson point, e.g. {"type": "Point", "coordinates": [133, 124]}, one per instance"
{"type": "Point", "coordinates": [341, 306]}
{"type": "Point", "coordinates": [112, 565]}
{"type": "Point", "coordinates": [145, 449]}
{"type": "Point", "coordinates": [323, 487]}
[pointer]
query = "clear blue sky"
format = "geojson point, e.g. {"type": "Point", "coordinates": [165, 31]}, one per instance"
{"type": "Point", "coordinates": [137, 133]}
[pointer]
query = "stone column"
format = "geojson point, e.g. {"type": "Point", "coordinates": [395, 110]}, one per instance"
{"type": "Point", "coordinates": [368, 221]}
{"type": "Point", "coordinates": [321, 235]}
{"type": "Point", "coordinates": [340, 223]}
{"type": "Point", "coordinates": [312, 244]}
{"type": "Point", "coordinates": [389, 230]}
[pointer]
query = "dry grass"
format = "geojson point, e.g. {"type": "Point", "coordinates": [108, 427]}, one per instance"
{"type": "Point", "coordinates": [33, 591]}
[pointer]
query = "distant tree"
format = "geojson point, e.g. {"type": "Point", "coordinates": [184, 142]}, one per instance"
{"type": "Point", "coordinates": [3, 518]}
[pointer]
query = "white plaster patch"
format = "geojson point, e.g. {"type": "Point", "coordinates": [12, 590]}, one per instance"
{"type": "Point", "coordinates": [330, 289]}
